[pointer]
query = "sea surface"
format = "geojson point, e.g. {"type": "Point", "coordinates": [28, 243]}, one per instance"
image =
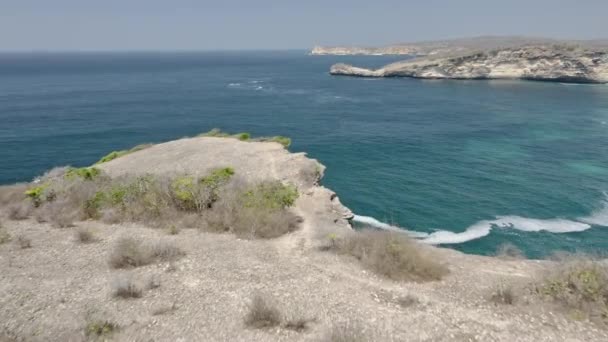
{"type": "Point", "coordinates": [466, 164]}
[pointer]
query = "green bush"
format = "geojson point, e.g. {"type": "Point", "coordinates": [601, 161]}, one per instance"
{"type": "Point", "coordinates": [218, 177]}
{"type": "Point", "coordinates": [243, 136]}
{"type": "Point", "coordinates": [285, 141]}
{"type": "Point", "coordinates": [36, 194]}
{"type": "Point", "coordinates": [86, 173]}
{"type": "Point", "coordinates": [272, 195]}
{"type": "Point", "coordinates": [117, 154]}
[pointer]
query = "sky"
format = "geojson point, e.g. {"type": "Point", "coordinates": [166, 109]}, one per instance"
{"type": "Point", "coordinates": [83, 25]}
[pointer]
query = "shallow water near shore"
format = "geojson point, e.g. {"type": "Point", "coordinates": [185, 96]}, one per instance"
{"type": "Point", "coordinates": [468, 164]}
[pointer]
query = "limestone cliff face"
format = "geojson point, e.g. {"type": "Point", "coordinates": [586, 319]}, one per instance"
{"type": "Point", "coordinates": [558, 63]}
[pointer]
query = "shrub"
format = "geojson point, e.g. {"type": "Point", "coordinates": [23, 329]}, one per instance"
{"type": "Point", "coordinates": [36, 194]}
{"type": "Point", "coordinates": [117, 154]}
{"type": "Point", "coordinates": [100, 328]}
{"type": "Point", "coordinates": [581, 286]}
{"type": "Point", "coordinates": [503, 295]}
{"type": "Point", "coordinates": [129, 252]}
{"type": "Point", "coordinates": [243, 136]}
{"type": "Point", "coordinates": [86, 173]}
{"type": "Point", "coordinates": [23, 242]}
{"type": "Point", "coordinates": [262, 313]}
{"type": "Point", "coordinates": [20, 210]}
{"type": "Point", "coordinates": [124, 287]}
{"type": "Point", "coordinates": [271, 195]}
{"type": "Point", "coordinates": [4, 235]}
{"type": "Point", "coordinates": [285, 141]}
{"type": "Point", "coordinates": [347, 332]}
{"type": "Point", "coordinates": [166, 251]}
{"type": "Point", "coordinates": [392, 255]}
{"type": "Point", "coordinates": [84, 235]}
{"type": "Point", "coordinates": [11, 194]}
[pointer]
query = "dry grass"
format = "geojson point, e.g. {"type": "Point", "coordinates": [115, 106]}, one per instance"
{"type": "Point", "coordinates": [262, 313]}
{"type": "Point", "coordinates": [580, 286]}
{"type": "Point", "coordinates": [347, 332]}
{"type": "Point", "coordinates": [504, 294]}
{"type": "Point", "coordinates": [391, 254]}
{"type": "Point", "coordinates": [4, 235]}
{"type": "Point", "coordinates": [164, 309]}
{"type": "Point", "coordinates": [129, 252]}
{"type": "Point", "coordinates": [23, 242]}
{"type": "Point", "coordinates": [123, 286]}
{"type": "Point", "coordinates": [101, 329]}
{"type": "Point", "coordinates": [84, 235]}
{"type": "Point", "coordinates": [407, 301]}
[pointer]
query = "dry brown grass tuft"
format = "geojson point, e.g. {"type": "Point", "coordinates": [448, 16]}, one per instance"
{"type": "Point", "coordinates": [4, 235]}
{"type": "Point", "coordinates": [347, 332]}
{"type": "Point", "coordinates": [392, 255]}
{"type": "Point", "coordinates": [123, 286]}
{"type": "Point", "coordinates": [23, 242]}
{"type": "Point", "coordinates": [84, 235]}
{"type": "Point", "coordinates": [262, 313]}
{"type": "Point", "coordinates": [407, 301]}
{"type": "Point", "coordinates": [504, 294]}
{"type": "Point", "coordinates": [580, 286]}
{"type": "Point", "coordinates": [19, 210]}
{"type": "Point", "coordinates": [129, 252]}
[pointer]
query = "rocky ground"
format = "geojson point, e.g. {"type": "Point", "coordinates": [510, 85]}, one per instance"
{"type": "Point", "coordinates": [59, 288]}
{"type": "Point", "coordinates": [555, 63]}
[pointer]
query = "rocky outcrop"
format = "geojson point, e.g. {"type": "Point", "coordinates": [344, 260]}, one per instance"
{"type": "Point", "coordinates": [557, 63]}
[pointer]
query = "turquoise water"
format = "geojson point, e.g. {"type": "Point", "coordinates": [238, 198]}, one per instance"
{"type": "Point", "coordinates": [473, 163]}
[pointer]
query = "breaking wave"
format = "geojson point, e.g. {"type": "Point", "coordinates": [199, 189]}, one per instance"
{"type": "Point", "coordinates": [483, 228]}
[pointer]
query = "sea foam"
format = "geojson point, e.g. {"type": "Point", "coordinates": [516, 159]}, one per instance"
{"type": "Point", "coordinates": [484, 227]}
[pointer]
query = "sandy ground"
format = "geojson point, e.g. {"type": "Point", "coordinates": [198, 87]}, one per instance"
{"type": "Point", "coordinates": [49, 292]}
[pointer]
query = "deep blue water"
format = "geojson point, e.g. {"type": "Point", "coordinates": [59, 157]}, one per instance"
{"type": "Point", "coordinates": [425, 155]}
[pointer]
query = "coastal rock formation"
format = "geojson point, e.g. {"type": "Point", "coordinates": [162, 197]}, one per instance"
{"type": "Point", "coordinates": [452, 46]}
{"type": "Point", "coordinates": [558, 63]}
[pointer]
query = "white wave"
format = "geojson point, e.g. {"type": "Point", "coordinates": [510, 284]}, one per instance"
{"type": "Point", "coordinates": [598, 217]}
{"type": "Point", "coordinates": [476, 231]}
{"type": "Point", "coordinates": [483, 228]}
{"type": "Point", "coordinates": [370, 221]}
{"type": "Point", "coordinates": [234, 84]}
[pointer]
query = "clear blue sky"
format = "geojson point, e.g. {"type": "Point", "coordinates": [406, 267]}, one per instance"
{"type": "Point", "coordinates": [283, 24]}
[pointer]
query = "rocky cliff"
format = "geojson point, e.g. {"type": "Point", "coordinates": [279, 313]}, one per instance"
{"type": "Point", "coordinates": [558, 63]}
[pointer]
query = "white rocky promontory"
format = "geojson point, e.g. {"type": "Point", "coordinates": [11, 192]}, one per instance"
{"type": "Point", "coordinates": [557, 63]}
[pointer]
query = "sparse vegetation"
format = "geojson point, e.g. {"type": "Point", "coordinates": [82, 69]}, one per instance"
{"type": "Point", "coordinates": [407, 301]}
{"type": "Point", "coordinates": [347, 332]}
{"type": "Point", "coordinates": [86, 173]}
{"type": "Point", "coordinates": [173, 230]}
{"type": "Point", "coordinates": [503, 294]}
{"type": "Point", "coordinates": [262, 313]}
{"type": "Point", "coordinates": [218, 133]}
{"type": "Point", "coordinates": [123, 286]}
{"type": "Point", "coordinates": [117, 154]}
{"type": "Point", "coordinates": [23, 242]}
{"type": "Point", "coordinates": [391, 254]}
{"type": "Point", "coordinates": [84, 235]}
{"type": "Point", "coordinates": [4, 235]}
{"type": "Point", "coordinates": [580, 286]}
{"type": "Point", "coordinates": [129, 252]}
{"type": "Point", "coordinates": [100, 329]}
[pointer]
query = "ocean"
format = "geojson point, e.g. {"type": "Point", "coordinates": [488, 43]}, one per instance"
{"type": "Point", "coordinates": [469, 165]}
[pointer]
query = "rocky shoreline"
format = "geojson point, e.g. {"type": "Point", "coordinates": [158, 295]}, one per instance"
{"type": "Point", "coordinates": [552, 63]}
